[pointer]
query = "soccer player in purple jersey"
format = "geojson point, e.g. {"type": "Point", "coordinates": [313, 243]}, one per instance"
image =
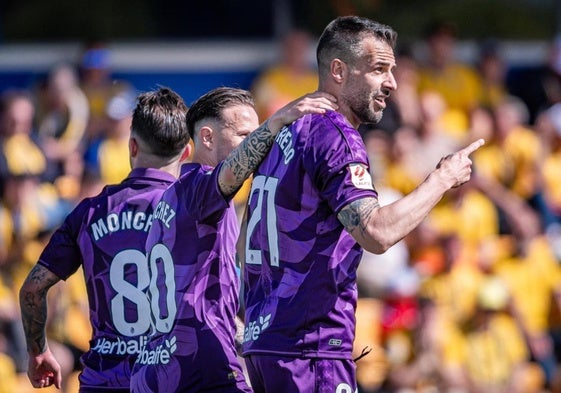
{"type": "Point", "coordinates": [312, 210]}
{"type": "Point", "coordinates": [191, 247]}
{"type": "Point", "coordinates": [106, 236]}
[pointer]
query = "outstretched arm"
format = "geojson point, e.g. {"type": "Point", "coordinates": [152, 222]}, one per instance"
{"type": "Point", "coordinates": [43, 369]}
{"type": "Point", "coordinates": [378, 228]}
{"type": "Point", "coordinates": [244, 159]}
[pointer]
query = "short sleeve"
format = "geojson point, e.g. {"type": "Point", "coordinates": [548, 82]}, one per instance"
{"type": "Point", "coordinates": [201, 193]}
{"type": "Point", "coordinates": [62, 255]}
{"type": "Point", "coordinates": [337, 162]}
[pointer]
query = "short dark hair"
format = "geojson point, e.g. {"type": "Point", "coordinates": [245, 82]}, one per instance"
{"type": "Point", "coordinates": [211, 105]}
{"type": "Point", "coordinates": [159, 120]}
{"type": "Point", "coordinates": [342, 36]}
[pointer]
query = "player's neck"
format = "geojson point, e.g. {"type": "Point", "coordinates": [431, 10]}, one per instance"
{"type": "Point", "coordinates": [204, 159]}
{"type": "Point", "coordinates": [173, 167]}
{"type": "Point", "coordinates": [350, 117]}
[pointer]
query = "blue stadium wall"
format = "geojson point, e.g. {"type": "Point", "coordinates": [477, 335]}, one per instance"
{"type": "Point", "coordinates": [193, 68]}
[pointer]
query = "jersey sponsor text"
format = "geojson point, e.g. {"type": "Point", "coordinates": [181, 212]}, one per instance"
{"type": "Point", "coordinates": [119, 347]}
{"type": "Point", "coordinates": [254, 328]}
{"type": "Point", "coordinates": [159, 355]}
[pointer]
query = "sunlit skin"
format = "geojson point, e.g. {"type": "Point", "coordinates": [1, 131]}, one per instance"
{"type": "Point", "coordinates": [236, 124]}
{"type": "Point", "coordinates": [221, 136]}
{"type": "Point", "coordinates": [362, 84]}
{"type": "Point", "coordinates": [243, 160]}
{"type": "Point", "coordinates": [43, 369]}
{"type": "Point", "coordinates": [369, 83]}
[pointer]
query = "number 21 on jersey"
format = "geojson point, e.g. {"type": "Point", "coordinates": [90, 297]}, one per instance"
{"type": "Point", "coordinates": [264, 189]}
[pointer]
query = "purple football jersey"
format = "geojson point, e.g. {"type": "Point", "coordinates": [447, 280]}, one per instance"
{"type": "Point", "coordinates": [194, 290]}
{"type": "Point", "coordinates": [281, 374]}
{"type": "Point", "coordinates": [106, 235]}
{"type": "Point", "coordinates": [300, 264]}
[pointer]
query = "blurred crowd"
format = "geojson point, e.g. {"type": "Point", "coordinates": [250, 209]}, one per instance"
{"type": "Point", "coordinates": [469, 302]}
{"type": "Point", "coordinates": [61, 140]}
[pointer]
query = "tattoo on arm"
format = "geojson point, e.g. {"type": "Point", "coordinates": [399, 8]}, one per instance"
{"type": "Point", "coordinates": [243, 160]}
{"type": "Point", "coordinates": [33, 304]}
{"type": "Point", "coordinates": [357, 214]}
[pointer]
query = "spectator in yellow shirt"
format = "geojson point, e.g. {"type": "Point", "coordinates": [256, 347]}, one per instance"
{"type": "Point", "coordinates": [441, 71]}
{"type": "Point", "coordinates": [495, 349]}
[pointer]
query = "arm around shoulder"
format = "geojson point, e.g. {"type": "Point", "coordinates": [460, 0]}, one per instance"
{"type": "Point", "coordinates": [244, 159]}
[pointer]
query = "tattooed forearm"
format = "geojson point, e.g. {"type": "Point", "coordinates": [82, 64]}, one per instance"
{"type": "Point", "coordinates": [246, 158]}
{"type": "Point", "coordinates": [33, 304]}
{"type": "Point", "coordinates": [357, 214]}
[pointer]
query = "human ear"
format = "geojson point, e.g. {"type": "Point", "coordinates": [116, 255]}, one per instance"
{"type": "Point", "coordinates": [338, 70]}
{"type": "Point", "coordinates": [186, 153]}
{"type": "Point", "coordinates": [206, 135]}
{"type": "Point", "coordinates": [133, 147]}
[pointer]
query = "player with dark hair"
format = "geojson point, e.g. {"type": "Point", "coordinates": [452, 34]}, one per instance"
{"type": "Point", "coordinates": [191, 247]}
{"type": "Point", "coordinates": [105, 235]}
{"type": "Point", "coordinates": [312, 209]}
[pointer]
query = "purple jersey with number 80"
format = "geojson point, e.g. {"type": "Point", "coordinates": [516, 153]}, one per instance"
{"type": "Point", "coordinates": [106, 236]}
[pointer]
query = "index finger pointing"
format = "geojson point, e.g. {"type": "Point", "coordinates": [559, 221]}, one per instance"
{"type": "Point", "coordinates": [472, 147]}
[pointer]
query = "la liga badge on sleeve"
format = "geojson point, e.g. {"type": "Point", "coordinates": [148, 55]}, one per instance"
{"type": "Point", "coordinates": [360, 176]}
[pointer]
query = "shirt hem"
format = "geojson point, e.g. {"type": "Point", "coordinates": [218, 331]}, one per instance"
{"type": "Point", "coordinates": [306, 355]}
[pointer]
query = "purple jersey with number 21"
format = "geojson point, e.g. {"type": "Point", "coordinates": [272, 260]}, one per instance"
{"type": "Point", "coordinates": [300, 263]}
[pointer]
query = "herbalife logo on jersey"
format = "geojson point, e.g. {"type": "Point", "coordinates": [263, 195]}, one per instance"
{"type": "Point", "coordinates": [119, 346]}
{"type": "Point", "coordinates": [159, 355]}
{"type": "Point", "coordinates": [254, 328]}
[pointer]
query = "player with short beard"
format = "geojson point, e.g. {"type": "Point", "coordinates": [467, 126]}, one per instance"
{"type": "Point", "coordinates": [312, 209]}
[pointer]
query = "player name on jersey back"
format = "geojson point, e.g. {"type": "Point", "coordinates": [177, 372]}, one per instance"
{"type": "Point", "coordinates": [131, 220]}
{"type": "Point", "coordinates": [125, 220]}
{"type": "Point", "coordinates": [284, 140]}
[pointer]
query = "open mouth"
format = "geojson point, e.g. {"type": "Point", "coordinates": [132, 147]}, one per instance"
{"type": "Point", "coordinates": [380, 101]}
